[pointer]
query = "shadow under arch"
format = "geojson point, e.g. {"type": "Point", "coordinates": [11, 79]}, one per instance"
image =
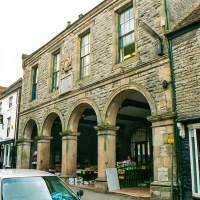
{"type": "Point", "coordinates": [49, 119]}
{"type": "Point", "coordinates": [28, 128]}
{"type": "Point", "coordinates": [119, 95]}
{"type": "Point", "coordinates": [76, 111]}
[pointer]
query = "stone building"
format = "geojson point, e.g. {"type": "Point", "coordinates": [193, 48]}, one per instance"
{"type": "Point", "coordinates": [100, 90]}
{"type": "Point", "coordinates": [184, 43]}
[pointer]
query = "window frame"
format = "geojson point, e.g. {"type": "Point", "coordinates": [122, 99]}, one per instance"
{"type": "Point", "coordinates": [55, 71]}
{"type": "Point", "coordinates": [34, 83]}
{"type": "Point", "coordinates": [10, 102]}
{"type": "Point", "coordinates": [121, 58]}
{"type": "Point", "coordinates": [8, 126]}
{"type": "Point", "coordinates": [1, 106]}
{"type": "Point", "coordinates": [194, 158]}
{"type": "Point", "coordinates": [85, 69]}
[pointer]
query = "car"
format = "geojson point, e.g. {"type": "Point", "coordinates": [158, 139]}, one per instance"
{"type": "Point", "coordinates": [32, 184]}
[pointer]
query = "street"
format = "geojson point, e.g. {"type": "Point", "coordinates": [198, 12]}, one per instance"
{"type": "Point", "coordinates": [93, 195]}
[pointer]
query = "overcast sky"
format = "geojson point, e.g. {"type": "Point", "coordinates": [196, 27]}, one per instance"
{"type": "Point", "coordinates": [26, 25]}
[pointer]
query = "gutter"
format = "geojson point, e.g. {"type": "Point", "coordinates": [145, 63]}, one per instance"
{"type": "Point", "coordinates": [174, 105]}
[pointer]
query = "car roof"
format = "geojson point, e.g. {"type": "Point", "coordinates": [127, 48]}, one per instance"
{"type": "Point", "coordinates": [9, 173]}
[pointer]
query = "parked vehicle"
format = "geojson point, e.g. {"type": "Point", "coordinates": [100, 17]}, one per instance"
{"type": "Point", "coordinates": [31, 184]}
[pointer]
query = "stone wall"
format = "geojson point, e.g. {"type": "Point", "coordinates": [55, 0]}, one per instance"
{"type": "Point", "coordinates": [149, 69]}
{"type": "Point", "coordinates": [186, 52]}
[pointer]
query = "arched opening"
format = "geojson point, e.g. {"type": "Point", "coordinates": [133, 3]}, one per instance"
{"type": "Point", "coordinates": [82, 120]}
{"type": "Point", "coordinates": [33, 151]}
{"type": "Point", "coordinates": [56, 146]}
{"type": "Point", "coordinates": [30, 133]}
{"type": "Point", "coordinates": [129, 110]}
{"type": "Point", "coordinates": [134, 135]}
{"type": "Point", "coordinates": [87, 141]}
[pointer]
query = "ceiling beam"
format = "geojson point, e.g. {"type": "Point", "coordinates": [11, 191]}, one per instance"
{"type": "Point", "coordinates": [136, 104]}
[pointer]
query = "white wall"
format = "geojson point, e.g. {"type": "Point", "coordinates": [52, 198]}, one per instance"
{"type": "Point", "coordinates": [9, 112]}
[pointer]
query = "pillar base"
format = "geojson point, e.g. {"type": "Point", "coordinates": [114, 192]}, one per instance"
{"type": "Point", "coordinates": [101, 185]}
{"type": "Point", "coordinates": [162, 190]}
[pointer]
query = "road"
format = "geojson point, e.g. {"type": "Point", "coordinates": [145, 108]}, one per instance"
{"type": "Point", "coordinates": [93, 195]}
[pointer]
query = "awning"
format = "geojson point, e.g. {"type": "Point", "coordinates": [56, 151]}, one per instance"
{"type": "Point", "coordinates": [6, 142]}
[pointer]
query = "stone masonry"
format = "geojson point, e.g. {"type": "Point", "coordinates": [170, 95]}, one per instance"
{"type": "Point", "coordinates": [108, 79]}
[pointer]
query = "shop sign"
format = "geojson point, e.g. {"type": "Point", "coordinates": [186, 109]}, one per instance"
{"type": "Point", "coordinates": [139, 137]}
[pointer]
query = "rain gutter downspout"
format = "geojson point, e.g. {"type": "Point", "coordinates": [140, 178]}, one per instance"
{"type": "Point", "coordinates": [174, 99]}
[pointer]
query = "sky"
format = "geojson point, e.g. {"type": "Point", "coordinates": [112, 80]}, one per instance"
{"type": "Point", "coordinates": [26, 25]}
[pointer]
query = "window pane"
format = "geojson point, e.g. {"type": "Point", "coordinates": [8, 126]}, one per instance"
{"type": "Point", "coordinates": [131, 24]}
{"type": "Point", "coordinates": [126, 35]}
{"type": "Point", "coordinates": [122, 30]}
{"type": "Point", "coordinates": [85, 56]}
{"type": "Point", "coordinates": [122, 19]}
{"type": "Point", "coordinates": [126, 16]}
{"type": "Point", "coordinates": [127, 27]}
{"type": "Point", "coordinates": [131, 13]}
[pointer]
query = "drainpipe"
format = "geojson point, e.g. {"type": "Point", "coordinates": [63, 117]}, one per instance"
{"type": "Point", "coordinates": [174, 101]}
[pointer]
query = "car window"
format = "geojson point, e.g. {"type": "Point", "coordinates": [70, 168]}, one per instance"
{"type": "Point", "coordinates": [58, 189]}
{"type": "Point", "coordinates": [32, 188]}
{"type": "Point", "coordinates": [25, 189]}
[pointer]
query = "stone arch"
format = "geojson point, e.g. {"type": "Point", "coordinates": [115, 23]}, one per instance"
{"type": "Point", "coordinates": [29, 124]}
{"type": "Point", "coordinates": [76, 111]}
{"type": "Point", "coordinates": [49, 118]}
{"type": "Point", "coordinates": [119, 95]}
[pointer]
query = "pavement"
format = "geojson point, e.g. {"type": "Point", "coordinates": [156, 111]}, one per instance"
{"type": "Point", "coordinates": [135, 193]}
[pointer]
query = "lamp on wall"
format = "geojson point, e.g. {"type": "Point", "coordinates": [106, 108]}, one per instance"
{"type": "Point", "coordinates": [149, 30]}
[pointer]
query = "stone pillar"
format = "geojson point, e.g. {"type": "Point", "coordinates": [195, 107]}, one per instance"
{"type": "Point", "coordinates": [69, 156]}
{"type": "Point", "coordinates": [106, 154]}
{"type": "Point", "coordinates": [23, 153]}
{"type": "Point", "coordinates": [43, 152]}
{"type": "Point", "coordinates": [162, 130]}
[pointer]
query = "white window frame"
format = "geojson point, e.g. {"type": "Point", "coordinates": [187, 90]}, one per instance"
{"type": "Point", "coordinates": [194, 159]}
{"type": "Point", "coordinates": [10, 102]}
{"type": "Point", "coordinates": [8, 126]}
{"type": "Point", "coordinates": [0, 107]}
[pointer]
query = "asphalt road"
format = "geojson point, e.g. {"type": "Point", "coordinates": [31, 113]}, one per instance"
{"type": "Point", "coordinates": [93, 195]}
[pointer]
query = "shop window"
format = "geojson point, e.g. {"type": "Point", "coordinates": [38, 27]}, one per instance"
{"type": "Point", "coordinates": [85, 56]}
{"type": "Point", "coordinates": [194, 133]}
{"type": "Point", "coordinates": [7, 155]}
{"type": "Point", "coordinates": [34, 82]}
{"type": "Point", "coordinates": [126, 34]}
{"type": "Point", "coordinates": [55, 73]}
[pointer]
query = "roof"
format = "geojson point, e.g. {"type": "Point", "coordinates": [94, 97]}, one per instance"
{"type": "Point", "coordinates": [10, 173]}
{"type": "Point", "coordinates": [188, 22]}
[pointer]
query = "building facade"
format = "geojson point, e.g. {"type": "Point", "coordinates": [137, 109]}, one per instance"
{"type": "Point", "coordinates": [99, 90]}
{"type": "Point", "coordinates": [9, 109]}
{"type": "Point", "coordinates": [184, 50]}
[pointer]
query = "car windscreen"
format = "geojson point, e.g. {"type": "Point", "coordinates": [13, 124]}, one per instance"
{"type": "Point", "coordinates": [32, 188]}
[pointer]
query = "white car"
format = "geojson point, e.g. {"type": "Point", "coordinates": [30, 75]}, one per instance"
{"type": "Point", "coordinates": [31, 184]}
